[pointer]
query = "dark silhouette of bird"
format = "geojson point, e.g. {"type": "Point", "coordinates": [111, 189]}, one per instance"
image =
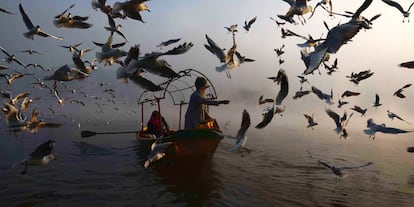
{"type": "Point", "coordinates": [247, 25]}
{"type": "Point", "coordinates": [399, 94]}
{"type": "Point", "coordinates": [405, 13]}
{"type": "Point", "coordinates": [338, 170]}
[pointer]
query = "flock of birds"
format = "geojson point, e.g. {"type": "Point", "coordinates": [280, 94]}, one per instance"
{"type": "Point", "coordinates": [314, 54]}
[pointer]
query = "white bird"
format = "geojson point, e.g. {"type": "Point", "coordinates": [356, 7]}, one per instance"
{"type": "Point", "coordinates": [32, 29]}
{"type": "Point", "coordinates": [373, 128]}
{"type": "Point", "coordinates": [42, 155]}
{"type": "Point", "coordinates": [241, 134]}
{"type": "Point", "coordinates": [157, 151]}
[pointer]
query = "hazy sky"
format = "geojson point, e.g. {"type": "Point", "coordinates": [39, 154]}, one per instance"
{"type": "Point", "coordinates": [380, 49]}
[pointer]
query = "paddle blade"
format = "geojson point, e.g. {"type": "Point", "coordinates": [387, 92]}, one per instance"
{"type": "Point", "coordinates": [85, 134]}
{"type": "Point", "coordinates": [410, 149]}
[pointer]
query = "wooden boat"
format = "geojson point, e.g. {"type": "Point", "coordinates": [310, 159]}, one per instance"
{"type": "Point", "coordinates": [196, 144]}
{"type": "Point", "coordinates": [187, 144]}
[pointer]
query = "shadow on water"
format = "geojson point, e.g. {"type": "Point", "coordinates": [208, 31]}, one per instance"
{"type": "Point", "coordinates": [192, 182]}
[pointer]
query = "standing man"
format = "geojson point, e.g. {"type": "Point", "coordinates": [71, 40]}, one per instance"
{"type": "Point", "coordinates": [197, 111]}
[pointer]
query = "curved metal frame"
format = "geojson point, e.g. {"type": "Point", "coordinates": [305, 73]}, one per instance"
{"type": "Point", "coordinates": [187, 73]}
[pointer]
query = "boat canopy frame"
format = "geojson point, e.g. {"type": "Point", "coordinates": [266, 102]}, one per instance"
{"type": "Point", "coordinates": [170, 88]}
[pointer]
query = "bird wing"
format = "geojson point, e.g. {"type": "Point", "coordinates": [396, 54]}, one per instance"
{"type": "Point", "coordinates": [252, 21]}
{"type": "Point", "coordinates": [356, 167]}
{"type": "Point", "coordinates": [394, 4]}
{"type": "Point", "coordinates": [284, 89]}
{"type": "Point", "coordinates": [145, 83]}
{"type": "Point", "coordinates": [97, 44]}
{"type": "Point", "coordinates": [309, 118]}
{"type": "Point", "coordinates": [406, 86]}
{"type": "Point", "coordinates": [317, 92]}
{"type": "Point", "coordinates": [409, 64]}
{"type": "Point", "coordinates": [5, 52]}
{"type": "Point", "coordinates": [111, 21]}
{"type": "Point", "coordinates": [334, 116]}
{"type": "Point", "coordinates": [377, 99]}
{"type": "Point", "coordinates": [168, 42]}
{"type": "Point", "coordinates": [26, 18]}
{"type": "Point", "coordinates": [290, 2]}
{"type": "Point", "coordinates": [325, 164]}
{"type": "Point", "coordinates": [180, 49]}
{"type": "Point", "coordinates": [118, 45]}
{"type": "Point", "coordinates": [215, 49]}
{"type": "Point", "coordinates": [44, 149]}
{"type": "Point", "coordinates": [61, 14]}
{"type": "Point", "coordinates": [6, 11]}
{"type": "Point", "coordinates": [364, 6]}
{"type": "Point", "coordinates": [44, 34]}
{"type": "Point", "coordinates": [267, 118]}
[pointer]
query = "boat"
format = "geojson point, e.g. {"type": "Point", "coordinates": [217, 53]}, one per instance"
{"type": "Point", "coordinates": [187, 144]}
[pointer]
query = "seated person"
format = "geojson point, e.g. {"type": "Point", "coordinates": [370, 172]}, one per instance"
{"type": "Point", "coordinates": [157, 125]}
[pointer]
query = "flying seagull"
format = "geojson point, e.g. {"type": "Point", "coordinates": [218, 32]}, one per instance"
{"type": "Point", "coordinates": [398, 92]}
{"type": "Point", "coordinates": [338, 170]}
{"type": "Point", "coordinates": [267, 118]}
{"type": "Point", "coordinates": [241, 137]}
{"type": "Point", "coordinates": [405, 13]}
{"type": "Point", "coordinates": [42, 155]}
{"type": "Point", "coordinates": [311, 122]}
{"type": "Point", "coordinates": [247, 25]}
{"type": "Point", "coordinates": [373, 128]}
{"type": "Point", "coordinates": [32, 29]}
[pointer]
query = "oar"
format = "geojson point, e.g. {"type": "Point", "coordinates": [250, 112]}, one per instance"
{"type": "Point", "coordinates": [85, 134]}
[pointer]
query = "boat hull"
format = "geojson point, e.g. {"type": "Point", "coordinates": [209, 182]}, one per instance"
{"type": "Point", "coordinates": [189, 144]}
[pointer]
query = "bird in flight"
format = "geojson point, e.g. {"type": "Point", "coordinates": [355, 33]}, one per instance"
{"type": "Point", "coordinates": [338, 170]}
{"type": "Point", "coordinates": [33, 30]}
{"type": "Point", "coordinates": [405, 13]}
{"type": "Point", "coordinates": [42, 155]}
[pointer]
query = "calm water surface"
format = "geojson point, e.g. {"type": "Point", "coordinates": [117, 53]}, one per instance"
{"type": "Point", "coordinates": [107, 170]}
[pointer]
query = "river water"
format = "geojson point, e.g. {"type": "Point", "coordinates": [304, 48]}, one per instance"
{"type": "Point", "coordinates": [107, 170]}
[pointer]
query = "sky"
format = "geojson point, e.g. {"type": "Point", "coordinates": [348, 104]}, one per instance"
{"type": "Point", "coordinates": [379, 49]}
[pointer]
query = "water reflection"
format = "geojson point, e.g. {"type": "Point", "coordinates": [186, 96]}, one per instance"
{"type": "Point", "coordinates": [192, 182]}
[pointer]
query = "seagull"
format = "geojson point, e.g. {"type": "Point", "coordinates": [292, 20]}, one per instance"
{"type": "Point", "coordinates": [336, 118]}
{"type": "Point", "coordinates": [152, 64]}
{"type": "Point", "coordinates": [301, 93]}
{"type": "Point", "coordinates": [323, 96]}
{"type": "Point", "coordinates": [42, 155]}
{"type": "Point", "coordinates": [72, 48]}
{"type": "Point", "coordinates": [31, 52]}
{"type": "Point", "coordinates": [392, 115]}
{"type": "Point", "coordinates": [349, 93]}
{"type": "Point", "coordinates": [302, 79]}
{"type": "Point", "coordinates": [11, 78]}
{"type": "Point", "coordinates": [14, 121]}
{"type": "Point", "coordinates": [399, 94]}
{"type": "Point", "coordinates": [109, 53]}
{"type": "Point", "coordinates": [32, 29]}
{"type": "Point", "coordinates": [395, 4]}
{"type": "Point", "coordinates": [359, 110]}
{"type": "Point", "coordinates": [267, 118]}
{"type": "Point", "coordinates": [297, 7]}
{"type": "Point", "coordinates": [34, 123]}
{"type": "Point", "coordinates": [357, 77]}
{"type": "Point", "coordinates": [65, 73]}
{"type": "Point", "coordinates": [311, 122]}
{"type": "Point", "coordinates": [114, 28]}
{"type": "Point", "coordinates": [338, 170]}
{"type": "Point", "coordinates": [241, 137]}
{"type": "Point", "coordinates": [101, 5]}
{"type": "Point", "coordinates": [158, 150]}
{"type": "Point", "coordinates": [377, 101]}
{"type": "Point", "coordinates": [263, 100]}
{"type": "Point", "coordinates": [332, 68]}
{"type": "Point", "coordinates": [338, 36]}
{"type": "Point", "coordinates": [168, 42]}
{"type": "Point", "coordinates": [280, 51]}
{"type": "Point", "coordinates": [131, 9]}
{"type": "Point", "coordinates": [247, 25]}
{"type": "Point", "coordinates": [11, 57]}
{"type": "Point", "coordinates": [232, 28]}
{"type": "Point", "coordinates": [373, 128]}
{"type": "Point", "coordinates": [321, 3]}
{"type": "Point", "coordinates": [282, 80]}
{"type": "Point", "coordinates": [341, 103]}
